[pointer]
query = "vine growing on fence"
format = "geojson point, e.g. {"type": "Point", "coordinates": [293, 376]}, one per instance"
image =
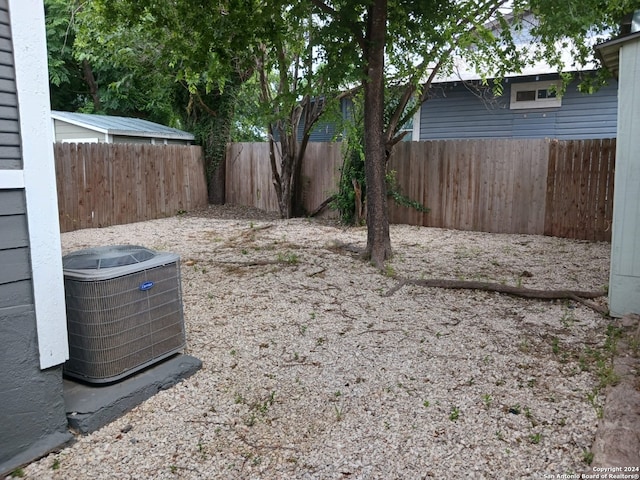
{"type": "Point", "coordinates": [350, 201]}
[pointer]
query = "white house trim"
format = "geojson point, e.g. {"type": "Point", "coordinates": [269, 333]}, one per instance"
{"type": "Point", "coordinates": [536, 88]}
{"type": "Point", "coordinates": [81, 140]}
{"type": "Point", "coordinates": [11, 179]}
{"type": "Point", "coordinates": [39, 179]}
{"type": "Point", "coordinates": [624, 280]}
{"type": "Point", "coordinates": [415, 134]}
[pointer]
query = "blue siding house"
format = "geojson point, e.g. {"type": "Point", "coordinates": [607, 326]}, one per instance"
{"type": "Point", "coordinates": [528, 108]}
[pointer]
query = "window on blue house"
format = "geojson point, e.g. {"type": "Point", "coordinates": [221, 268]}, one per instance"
{"type": "Point", "coordinates": [535, 95]}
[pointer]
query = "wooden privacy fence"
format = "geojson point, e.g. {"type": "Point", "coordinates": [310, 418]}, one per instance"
{"type": "Point", "coordinates": [538, 186]}
{"type": "Point", "coordinates": [579, 195]}
{"type": "Point", "coordinates": [249, 180]}
{"type": "Point", "coordinates": [488, 185]}
{"type": "Point", "coordinates": [103, 184]}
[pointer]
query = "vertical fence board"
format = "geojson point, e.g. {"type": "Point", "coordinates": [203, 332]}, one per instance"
{"type": "Point", "coordinates": [101, 194]}
{"type": "Point", "coordinates": [433, 159]}
{"type": "Point", "coordinates": [539, 172]}
{"type": "Point", "coordinates": [196, 180]}
{"type": "Point", "coordinates": [81, 179]}
{"type": "Point", "coordinates": [125, 188]}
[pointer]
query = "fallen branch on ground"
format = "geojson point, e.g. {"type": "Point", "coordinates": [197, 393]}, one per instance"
{"type": "Point", "coordinates": [254, 263]}
{"type": "Point", "coordinates": [576, 295]}
{"type": "Point", "coordinates": [322, 206]}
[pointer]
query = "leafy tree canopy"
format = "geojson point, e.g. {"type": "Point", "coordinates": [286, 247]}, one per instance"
{"type": "Point", "coordinates": [413, 41]}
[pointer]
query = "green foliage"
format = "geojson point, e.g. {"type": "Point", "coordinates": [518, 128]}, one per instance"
{"type": "Point", "coordinates": [60, 37]}
{"type": "Point", "coordinates": [68, 89]}
{"type": "Point", "coordinates": [535, 438]}
{"type": "Point", "coordinates": [249, 123]}
{"type": "Point", "coordinates": [353, 165]}
{"type": "Point", "coordinates": [455, 414]}
{"type": "Point", "coordinates": [17, 473]}
{"type": "Point", "coordinates": [587, 456]}
{"type": "Point", "coordinates": [289, 257]}
{"type": "Point", "coordinates": [353, 169]}
{"type": "Point", "coordinates": [393, 191]}
{"type": "Point", "coordinates": [98, 66]}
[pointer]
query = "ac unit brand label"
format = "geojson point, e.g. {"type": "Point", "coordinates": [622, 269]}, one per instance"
{"type": "Point", "coordinates": [146, 286]}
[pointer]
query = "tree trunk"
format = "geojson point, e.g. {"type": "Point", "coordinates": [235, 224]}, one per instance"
{"type": "Point", "coordinates": [209, 118]}
{"type": "Point", "coordinates": [378, 239]}
{"type": "Point", "coordinates": [298, 186]}
{"type": "Point", "coordinates": [90, 80]}
{"type": "Point", "coordinates": [216, 184]}
{"type": "Point", "coordinates": [283, 181]}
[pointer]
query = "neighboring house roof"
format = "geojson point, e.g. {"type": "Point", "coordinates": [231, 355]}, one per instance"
{"type": "Point", "coordinates": [523, 38]}
{"type": "Point", "coordinates": [131, 127]}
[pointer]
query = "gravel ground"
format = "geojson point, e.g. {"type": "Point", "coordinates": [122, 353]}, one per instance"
{"type": "Point", "coordinates": [311, 372]}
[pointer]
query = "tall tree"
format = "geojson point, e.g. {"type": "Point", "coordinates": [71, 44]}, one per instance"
{"type": "Point", "coordinates": [420, 40]}
{"type": "Point", "coordinates": [192, 54]}
{"type": "Point", "coordinates": [292, 93]}
{"type": "Point", "coordinates": [373, 47]}
{"type": "Point", "coordinates": [99, 67]}
{"type": "Point", "coordinates": [211, 49]}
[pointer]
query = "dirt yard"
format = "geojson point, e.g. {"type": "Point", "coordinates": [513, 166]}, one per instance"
{"type": "Point", "coordinates": [312, 370]}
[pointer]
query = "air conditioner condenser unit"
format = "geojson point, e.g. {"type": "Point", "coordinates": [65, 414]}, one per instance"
{"type": "Point", "coordinates": [124, 311]}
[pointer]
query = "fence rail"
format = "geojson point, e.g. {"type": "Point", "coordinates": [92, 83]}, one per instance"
{"type": "Point", "coordinates": [111, 184]}
{"type": "Point", "coordinates": [537, 186]}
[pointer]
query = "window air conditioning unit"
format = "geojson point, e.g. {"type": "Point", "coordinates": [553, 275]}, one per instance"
{"type": "Point", "coordinates": [124, 311]}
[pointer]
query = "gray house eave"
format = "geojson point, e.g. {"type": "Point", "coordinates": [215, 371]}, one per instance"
{"type": "Point", "coordinates": [608, 51]}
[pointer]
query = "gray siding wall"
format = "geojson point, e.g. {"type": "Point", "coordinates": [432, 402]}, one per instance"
{"type": "Point", "coordinates": [454, 111]}
{"type": "Point", "coordinates": [327, 130]}
{"type": "Point", "coordinates": [33, 413]}
{"type": "Point", "coordinates": [10, 157]}
{"type": "Point", "coordinates": [322, 132]}
{"type": "Point", "coordinates": [65, 131]}
{"type": "Point", "coordinates": [15, 274]}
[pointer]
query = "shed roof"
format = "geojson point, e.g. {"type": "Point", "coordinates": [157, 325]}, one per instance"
{"type": "Point", "coordinates": [111, 125]}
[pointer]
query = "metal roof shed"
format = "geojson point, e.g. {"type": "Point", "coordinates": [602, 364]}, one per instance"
{"type": "Point", "coordinates": [83, 127]}
{"type": "Point", "coordinates": [622, 56]}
